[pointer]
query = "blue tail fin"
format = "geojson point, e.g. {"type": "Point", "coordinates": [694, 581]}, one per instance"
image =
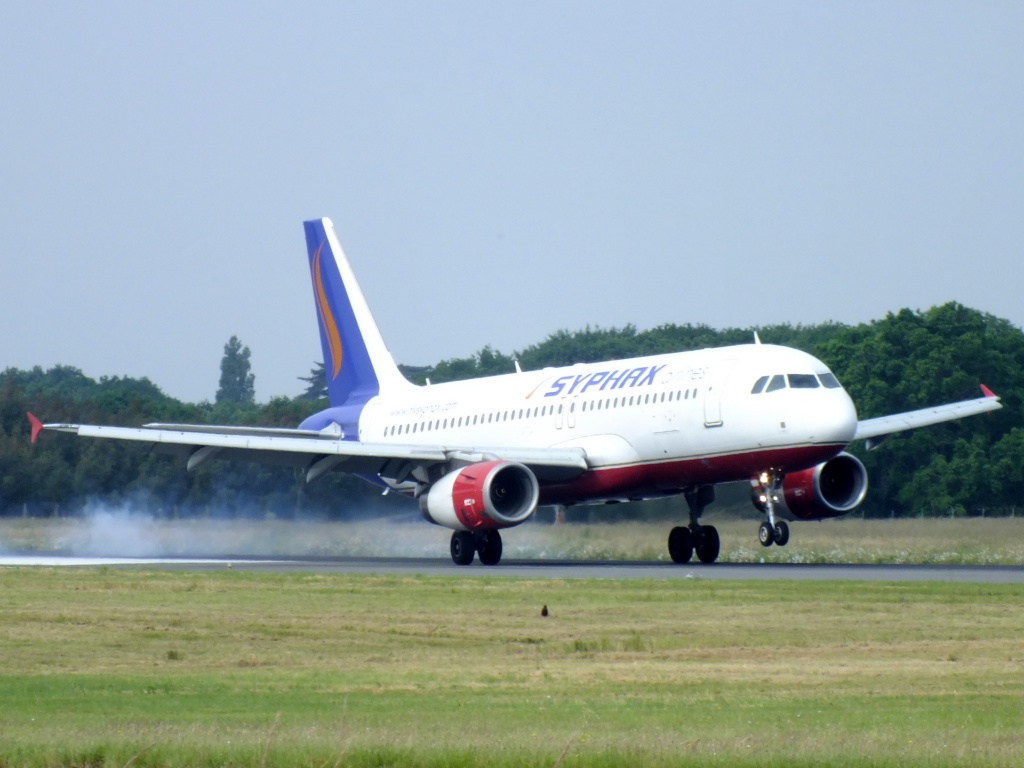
{"type": "Point", "coordinates": [356, 361]}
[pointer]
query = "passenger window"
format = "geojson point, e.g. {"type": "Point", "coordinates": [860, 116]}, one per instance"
{"type": "Point", "coordinates": [803, 381]}
{"type": "Point", "coordinates": [778, 382]}
{"type": "Point", "coordinates": [829, 380]}
{"type": "Point", "coordinates": [759, 385]}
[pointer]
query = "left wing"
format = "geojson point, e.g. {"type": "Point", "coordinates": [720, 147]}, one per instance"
{"type": "Point", "coordinates": [877, 430]}
{"type": "Point", "coordinates": [319, 452]}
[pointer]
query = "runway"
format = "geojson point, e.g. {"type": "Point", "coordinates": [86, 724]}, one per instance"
{"type": "Point", "coordinates": [540, 569]}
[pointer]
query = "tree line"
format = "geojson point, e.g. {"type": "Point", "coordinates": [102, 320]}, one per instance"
{"type": "Point", "coordinates": [906, 360]}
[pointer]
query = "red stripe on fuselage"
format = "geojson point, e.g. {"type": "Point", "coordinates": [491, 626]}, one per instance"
{"type": "Point", "coordinates": [641, 481]}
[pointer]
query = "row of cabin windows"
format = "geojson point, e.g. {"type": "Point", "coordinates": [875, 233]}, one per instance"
{"type": "Point", "coordinates": [538, 411]}
{"type": "Point", "coordinates": [795, 381]}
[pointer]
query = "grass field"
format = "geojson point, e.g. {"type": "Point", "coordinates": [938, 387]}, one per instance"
{"type": "Point", "coordinates": [987, 541]}
{"type": "Point", "coordinates": [110, 667]}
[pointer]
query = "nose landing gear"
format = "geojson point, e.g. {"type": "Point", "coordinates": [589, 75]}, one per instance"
{"type": "Point", "coordinates": [764, 492]}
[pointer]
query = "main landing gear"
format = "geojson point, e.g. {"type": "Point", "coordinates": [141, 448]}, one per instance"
{"type": "Point", "coordinates": [764, 492]}
{"type": "Point", "coordinates": [683, 542]}
{"type": "Point", "coordinates": [465, 544]}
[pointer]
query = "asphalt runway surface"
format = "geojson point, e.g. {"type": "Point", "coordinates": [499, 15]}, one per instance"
{"type": "Point", "coordinates": [538, 569]}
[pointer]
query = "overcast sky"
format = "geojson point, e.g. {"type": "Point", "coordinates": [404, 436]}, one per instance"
{"type": "Point", "coordinates": [495, 172]}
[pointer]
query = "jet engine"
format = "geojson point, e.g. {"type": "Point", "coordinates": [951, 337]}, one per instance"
{"type": "Point", "coordinates": [831, 489]}
{"type": "Point", "coordinates": [487, 495]}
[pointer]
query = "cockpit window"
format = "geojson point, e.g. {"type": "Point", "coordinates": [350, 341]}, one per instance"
{"type": "Point", "coordinates": [829, 380]}
{"type": "Point", "coordinates": [778, 382]}
{"type": "Point", "coordinates": [803, 381]}
{"type": "Point", "coordinates": [759, 385]}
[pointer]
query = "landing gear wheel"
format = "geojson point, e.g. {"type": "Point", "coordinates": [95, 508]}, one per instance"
{"type": "Point", "coordinates": [781, 533]}
{"type": "Point", "coordinates": [766, 534]}
{"type": "Point", "coordinates": [488, 546]}
{"type": "Point", "coordinates": [680, 545]}
{"type": "Point", "coordinates": [463, 547]}
{"type": "Point", "coordinates": [708, 544]}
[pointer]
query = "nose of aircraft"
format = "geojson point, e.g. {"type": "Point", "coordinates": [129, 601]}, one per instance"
{"type": "Point", "coordinates": [832, 418]}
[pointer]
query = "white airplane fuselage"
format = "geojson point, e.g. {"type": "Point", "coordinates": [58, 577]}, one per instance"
{"type": "Point", "coordinates": [649, 426]}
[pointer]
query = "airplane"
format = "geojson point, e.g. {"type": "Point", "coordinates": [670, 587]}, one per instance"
{"type": "Point", "coordinates": [482, 455]}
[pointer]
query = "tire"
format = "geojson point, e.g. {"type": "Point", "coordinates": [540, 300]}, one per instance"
{"type": "Point", "coordinates": [463, 547]}
{"type": "Point", "coordinates": [781, 533]}
{"type": "Point", "coordinates": [488, 546]}
{"type": "Point", "coordinates": [680, 545]}
{"type": "Point", "coordinates": [708, 544]}
{"type": "Point", "coordinates": [766, 534]}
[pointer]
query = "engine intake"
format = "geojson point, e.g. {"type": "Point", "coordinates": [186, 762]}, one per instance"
{"type": "Point", "coordinates": [490, 494]}
{"type": "Point", "coordinates": [831, 489]}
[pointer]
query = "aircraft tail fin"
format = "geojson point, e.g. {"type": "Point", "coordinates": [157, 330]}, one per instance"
{"type": "Point", "coordinates": [357, 364]}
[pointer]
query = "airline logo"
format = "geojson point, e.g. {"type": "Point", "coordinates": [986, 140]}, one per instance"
{"type": "Point", "coordinates": [615, 379]}
{"type": "Point", "coordinates": [327, 321]}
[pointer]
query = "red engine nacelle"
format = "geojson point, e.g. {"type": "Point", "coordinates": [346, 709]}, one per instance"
{"type": "Point", "coordinates": [491, 494]}
{"type": "Point", "coordinates": [831, 489]}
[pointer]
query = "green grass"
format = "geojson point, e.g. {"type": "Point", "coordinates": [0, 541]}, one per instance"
{"type": "Point", "coordinates": [989, 541]}
{"type": "Point", "coordinates": [104, 667]}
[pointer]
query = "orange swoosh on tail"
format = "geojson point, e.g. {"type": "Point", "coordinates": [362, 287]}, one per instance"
{"type": "Point", "coordinates": [326, 318]}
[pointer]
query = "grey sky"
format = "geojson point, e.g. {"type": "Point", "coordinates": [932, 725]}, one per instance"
{"type": "Point", "coordinates": [495, 171]}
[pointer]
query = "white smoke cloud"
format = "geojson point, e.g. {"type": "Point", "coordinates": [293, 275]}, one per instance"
{"type": "Point", "coordinates": [129, 531]}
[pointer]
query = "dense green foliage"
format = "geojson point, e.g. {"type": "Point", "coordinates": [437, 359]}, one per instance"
{"type": "Point", "coordinates": [904, 361]}
{"type": "Point", "coordinates": [61, 474]}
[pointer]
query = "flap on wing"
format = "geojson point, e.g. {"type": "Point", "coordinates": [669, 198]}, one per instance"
{"type": "Point", "coordinates": [211, 429]}
{"type": "Point", "coordinates": [235, 442]}
{"type": "Point", "coordinates": [293, 441]}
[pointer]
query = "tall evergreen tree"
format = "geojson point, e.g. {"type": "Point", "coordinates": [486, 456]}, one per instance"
{"type": "Point", "coordinates": [237, 382]}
